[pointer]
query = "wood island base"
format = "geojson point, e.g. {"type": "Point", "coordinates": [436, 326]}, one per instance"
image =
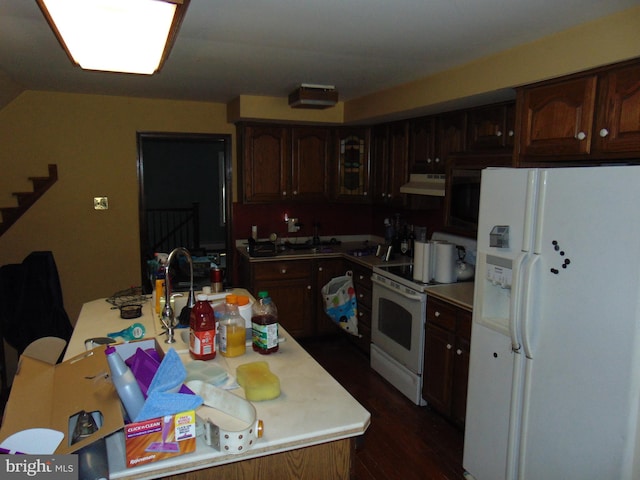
{"type": "Point", "coordinates": [331, 460]}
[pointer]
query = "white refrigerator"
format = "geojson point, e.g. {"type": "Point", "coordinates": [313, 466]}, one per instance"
{"type": "Point", "coordinates": [554, 375]}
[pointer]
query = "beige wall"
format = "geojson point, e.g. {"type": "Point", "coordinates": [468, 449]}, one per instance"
{"type": "Point", "coordinates": [92, 139]}
{"type": "Point", "coordinates": [601, 42]}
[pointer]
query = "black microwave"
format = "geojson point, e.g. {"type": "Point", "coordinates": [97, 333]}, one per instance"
{"type": "Point", "coordinates": [462, 197]}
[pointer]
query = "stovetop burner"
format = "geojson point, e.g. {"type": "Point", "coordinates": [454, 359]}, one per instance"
{"type": "Point", "coordinates": [402, 274]}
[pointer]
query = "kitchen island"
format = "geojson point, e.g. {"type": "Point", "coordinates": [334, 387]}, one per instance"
{"type": "Point", "coordinates": [309, 431]}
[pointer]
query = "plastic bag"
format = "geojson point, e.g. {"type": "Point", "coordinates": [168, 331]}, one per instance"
{"type": "Point", "coordinates": [340, 302]}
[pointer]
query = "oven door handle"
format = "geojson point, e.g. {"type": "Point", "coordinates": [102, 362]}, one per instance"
{"type": "Point", "coordinates": [418, 297]}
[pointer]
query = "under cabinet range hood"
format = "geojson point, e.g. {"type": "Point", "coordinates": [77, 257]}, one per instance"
{"type": "Point", "coordinates": [425, 184]}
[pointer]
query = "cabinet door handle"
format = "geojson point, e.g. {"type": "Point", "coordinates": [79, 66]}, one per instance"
{"type": "Point", "coordinates": [449, 346]}
{"type": "Point", "coordinates": [581, 136]}
{"type": "Point", "coordinates": [437, 160]}
{"type": "Point", "coordinates": [459, 352]}
{"type": "Point", "coordinates": [511, 133]}
{"type": "Point", "coordinates": [436, 314]}
{"type": "Point", "coordinates": [604, 132]}
{"type": "Point", "coordinates": [283, 271]}
{"type": "Point", "coordinates": [428, 160]}
{"type": "Point", "coordinates": [308, 287]}
{"type": "Point", "coordinates": [498, 133]}
{"type": "Point", "coordinates": [295, 192]}
{"type": "Point", "coordinates": [284, 193]}
{"type": "Point", "coordinates": [319, 269]}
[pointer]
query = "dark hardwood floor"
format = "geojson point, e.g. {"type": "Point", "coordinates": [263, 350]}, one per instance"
{"type": "Point", "coordinates": [404, 441]}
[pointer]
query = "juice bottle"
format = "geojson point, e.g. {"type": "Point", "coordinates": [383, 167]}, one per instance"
{"type": "Point", "coordinates": [264, 325]}
{"type": "Point", "coordinates": [232, 330]}
{"type": "Point", "coordinates": [202, 330]}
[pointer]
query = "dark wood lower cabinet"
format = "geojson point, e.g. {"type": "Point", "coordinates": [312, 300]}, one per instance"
{"type": "Point", "coordinates": [446, 362]}
{"type": "Point", "coordinates": [295, 287]}
{"type": "Point", "coordinates": [363, 286]}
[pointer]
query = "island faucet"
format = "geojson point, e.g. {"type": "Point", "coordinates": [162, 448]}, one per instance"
{"type": "Point", "coordinates": [168, 315]}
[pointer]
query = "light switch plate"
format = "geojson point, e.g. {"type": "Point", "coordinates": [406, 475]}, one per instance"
{"type": "Point", "coordinates": [100, 203]}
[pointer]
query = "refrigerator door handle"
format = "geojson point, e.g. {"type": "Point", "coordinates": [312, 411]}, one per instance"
{"type": "Point", "coordinates": [540, 203]}
{"type": "Point", "coordinates": [516, 301]}
{"type": "Point", "coordinates": [530, 210]}
{"type": "Point", "coordinates": [527, 306]}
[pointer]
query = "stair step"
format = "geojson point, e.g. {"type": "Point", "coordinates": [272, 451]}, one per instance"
{"type": "Point", "coordinates": [25, 199]}
{"type": "Point", "coordinates": [10, 214]}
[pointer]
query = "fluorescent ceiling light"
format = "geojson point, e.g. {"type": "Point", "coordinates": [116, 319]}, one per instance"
{"type": "Point", "coordinates": [130, 36]}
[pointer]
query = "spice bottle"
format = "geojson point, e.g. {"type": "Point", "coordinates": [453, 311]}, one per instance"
{"type": "Point", "coordinates": [202, 330]}
{"type": "Point", "coordinates": [232, 330]}
{"type": "Point", "coordinates": [125, 382]}
{"type": "Point", "coordinates": [264, 324]}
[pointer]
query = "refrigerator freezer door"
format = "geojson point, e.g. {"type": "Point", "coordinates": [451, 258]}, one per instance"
{"type": "Point", "coordinates": [496, 371]}
{"type": "Point", "coordinates": [582, 395]}
{"type": "Point", "coordinates": [486, 437]}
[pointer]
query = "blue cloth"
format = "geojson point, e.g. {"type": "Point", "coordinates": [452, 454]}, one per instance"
{"type": "Point", "coordinates": [163, 396]}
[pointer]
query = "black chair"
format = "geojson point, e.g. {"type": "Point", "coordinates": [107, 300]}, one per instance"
{"type": "Point", "coordinates": [31, 305]}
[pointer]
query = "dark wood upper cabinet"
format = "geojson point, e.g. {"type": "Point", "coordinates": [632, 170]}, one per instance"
{"type": "Point", "coordinates": [617, 127]}
{"type": "Point", "coordinates": [422, 146]}
{"type": "Point", "coordinates": [351, 175]}
{"type": "Point", "coordinates": [491, 127]}
{"type": "Point", "coordinates": [310, 150]}
{"type": "Point", "coordinates": [557, 119]}
{"type": "Point", "coordinates": [264, 158]}
{"type": "Point", "coordinates": [451, 134]}
{"type": "Point", "coordinates": [583, 119]}
{"type": "Point", "coordinates": [284, 163]}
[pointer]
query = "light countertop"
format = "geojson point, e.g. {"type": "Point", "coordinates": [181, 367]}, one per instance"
{"type": "Point", "coordinates": [460, 294]}
{"type": "Point", "coordinates": [313, 407]}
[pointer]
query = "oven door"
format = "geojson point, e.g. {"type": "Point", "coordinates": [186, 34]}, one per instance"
{"type": "Point", "coordinates": [397, 326]}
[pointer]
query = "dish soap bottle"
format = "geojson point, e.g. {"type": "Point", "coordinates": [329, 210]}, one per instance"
{"type": "Point", "coordinates": [264, 325]}
{"type": "Point", "coordinates": [202, 330]}
{"type": "Point", "coordinates": [232, 330]}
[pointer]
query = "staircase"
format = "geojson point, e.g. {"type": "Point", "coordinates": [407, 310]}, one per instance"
{"type": "Point", "coordinates": [10, 215]}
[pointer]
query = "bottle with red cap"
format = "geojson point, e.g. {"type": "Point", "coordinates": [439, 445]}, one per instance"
{"type": "Point", "coordinates": [202, 330]}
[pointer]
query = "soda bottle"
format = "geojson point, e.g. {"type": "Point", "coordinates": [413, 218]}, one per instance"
{"type": "Point", "coordinates": [264, 325]}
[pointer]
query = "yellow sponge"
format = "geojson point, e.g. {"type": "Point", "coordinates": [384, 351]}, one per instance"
{"type": "Point", "coordinates": [258, 381]}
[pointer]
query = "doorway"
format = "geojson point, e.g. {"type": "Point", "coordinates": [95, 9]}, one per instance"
{"type": "Point", "coordinates": [185, 194]}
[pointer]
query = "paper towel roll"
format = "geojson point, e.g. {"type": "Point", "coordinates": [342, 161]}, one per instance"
{"type": "Point", "coordinates": [427, 262]}
{"type": "Point", "coordinates": [418, 256]}
{"type": "Point", "coordinates": [445, 263]}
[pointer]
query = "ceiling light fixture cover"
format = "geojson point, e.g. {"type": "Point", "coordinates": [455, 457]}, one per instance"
{"type": "Point", "coordinates": [129, 36]}
{"type": "Point", "coordinates": [313, 96]}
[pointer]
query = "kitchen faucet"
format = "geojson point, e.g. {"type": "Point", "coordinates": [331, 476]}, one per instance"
{"type": "Point", "coordinates": [168, 315]}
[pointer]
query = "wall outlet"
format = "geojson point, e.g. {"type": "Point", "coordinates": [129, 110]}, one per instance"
{"type": "Point", "coordinates": [292, 226]}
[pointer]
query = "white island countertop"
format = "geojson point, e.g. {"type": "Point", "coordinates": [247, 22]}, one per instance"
{"type": "Point", "coordinates": [312, 409]}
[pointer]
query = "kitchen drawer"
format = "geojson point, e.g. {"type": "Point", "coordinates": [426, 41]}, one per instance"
{"type": "Point", "coordinates": [282, 270]}
{"type": "Point", "coordinates": [441, 314]}
{"type": "Point", "coordinates": [363, 340]}
{"type": "Point", "coordinates": [364, 317]}
{"type": "Point", "coordinates": [361, 275]}
{"type": "Point", "coordinates": [363, 296]}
